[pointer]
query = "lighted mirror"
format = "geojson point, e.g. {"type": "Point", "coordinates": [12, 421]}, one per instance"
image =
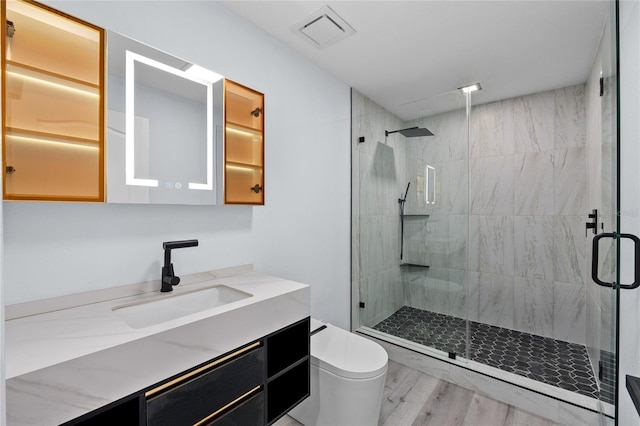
{"type": "Point", "coordinates": [430, 185]}
{"type": "Point", "coordinates": [164, 119]}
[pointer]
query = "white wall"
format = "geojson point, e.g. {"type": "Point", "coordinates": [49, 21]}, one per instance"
{"type": "Point", "coordinates": [303, 231]}
{"type": "Point", "coordinates": [630, 199]}
{"type": "Point", "coordinates": [2, 363]}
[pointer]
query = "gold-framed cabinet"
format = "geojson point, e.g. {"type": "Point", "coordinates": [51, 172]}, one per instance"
{"type": "Point", "coordinates": [244, 145]}
{"type": "Point", "coordinates": [53, 105]}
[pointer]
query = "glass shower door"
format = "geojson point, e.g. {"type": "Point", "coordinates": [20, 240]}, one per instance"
{"type": "Point", "coordinates": [411, 264]}
{"type": "Point", "coordinates": [603, 290]}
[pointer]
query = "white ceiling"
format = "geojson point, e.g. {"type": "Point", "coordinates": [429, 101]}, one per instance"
{"type": "Point", "coordinates": [405, 54]}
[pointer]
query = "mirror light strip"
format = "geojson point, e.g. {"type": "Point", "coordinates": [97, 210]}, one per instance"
{"type": "Point", "coordinates": [130, 80]}
{"type": "Point", "coordinates": [209, 185]}
{"type": "Point", "coordinates": [131, 59]}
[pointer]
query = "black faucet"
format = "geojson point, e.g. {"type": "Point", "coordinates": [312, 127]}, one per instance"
{"type": "Point", "coordinates": [169, 278]}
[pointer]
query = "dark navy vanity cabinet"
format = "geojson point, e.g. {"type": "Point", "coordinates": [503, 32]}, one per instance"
{"type": "Point", "coordinates": [255, 384]}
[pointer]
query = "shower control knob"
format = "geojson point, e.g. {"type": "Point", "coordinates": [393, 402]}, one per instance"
{"type": "Point", "coordinates": [256, 188]}
{"type": "Point", "coordinates": [593, 222]}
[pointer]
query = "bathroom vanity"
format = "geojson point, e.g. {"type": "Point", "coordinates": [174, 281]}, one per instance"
{"type": "Point", "coordinates": [245, 361]}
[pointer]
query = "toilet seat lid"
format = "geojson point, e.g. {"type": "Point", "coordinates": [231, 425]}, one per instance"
{"type": "Point", "coordinates": [346, 354]}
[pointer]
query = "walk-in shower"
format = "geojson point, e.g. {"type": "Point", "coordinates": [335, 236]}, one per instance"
{"type": "Point", "coordinates": [487, 264]}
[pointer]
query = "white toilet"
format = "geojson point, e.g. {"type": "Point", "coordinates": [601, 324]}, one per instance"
{"type": "Point", "coordinates": [347, 379]}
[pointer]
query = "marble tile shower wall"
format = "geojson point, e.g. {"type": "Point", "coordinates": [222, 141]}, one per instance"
{"type": "Point", "coordinates": [600, 152]}
{"type": "Point", "coordinates": [436, 233]}
{"type": "Point", "coordinates": [527, 206]}
{"type": "Point", "coordinates": [378, 182]}
{"type": "Point", "coordinates": [523, 189]}
{"type": "Point", "coordinates": [526, 211]}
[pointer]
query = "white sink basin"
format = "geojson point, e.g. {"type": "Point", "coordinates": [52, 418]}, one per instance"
{"type": "Point", "coordinates": [171, 306]}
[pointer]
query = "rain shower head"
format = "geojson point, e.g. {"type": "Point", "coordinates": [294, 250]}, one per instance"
{"type": "Point", "coordinates": [411, 132]}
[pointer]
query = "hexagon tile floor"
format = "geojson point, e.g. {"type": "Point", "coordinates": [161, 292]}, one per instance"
{"type": "Point", "coordinates": [562, 364]}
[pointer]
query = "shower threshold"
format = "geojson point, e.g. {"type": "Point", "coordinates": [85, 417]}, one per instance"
{"type": "Point", "coordinates": [554, 362]}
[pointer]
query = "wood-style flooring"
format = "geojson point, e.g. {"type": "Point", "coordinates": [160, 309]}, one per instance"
{"type": "Point", "coordinates": [415, 398]}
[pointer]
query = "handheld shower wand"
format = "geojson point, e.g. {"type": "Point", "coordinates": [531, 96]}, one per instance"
{"type": "Point", "coordinates": [402, 201]}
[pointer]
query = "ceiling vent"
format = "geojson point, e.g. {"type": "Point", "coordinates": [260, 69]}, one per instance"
{"type": "Point", "coordinates": [323, 28]}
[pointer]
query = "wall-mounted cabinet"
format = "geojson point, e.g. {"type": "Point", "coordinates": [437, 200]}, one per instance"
{"type": "Point", "coordinates": [164, 118]}
{"type": "Point", "coordinates": [244, 145]}
{"type": "Point", "coordinates": [53, 121]}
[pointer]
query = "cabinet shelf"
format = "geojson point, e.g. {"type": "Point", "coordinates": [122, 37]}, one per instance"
{"type": "Point", "coordinates": [240, 166]}
{"type": "Point", "coordinates": [239, 129]}
{"type": "Point", "coordinates": [51, 78]}
{"type": "Point", "coordinates": [51, 138]}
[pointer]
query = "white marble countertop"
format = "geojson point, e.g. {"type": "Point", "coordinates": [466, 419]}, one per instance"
{"type": "Point", "coordinates": [65, 363]}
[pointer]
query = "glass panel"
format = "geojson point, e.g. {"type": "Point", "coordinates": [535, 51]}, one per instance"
{"type": "Point", "coordinates": [39, 102]}
{"type": "Point", "coordinates": [45, 166]}
{"type": "Point", "coordinates": [243, 145]}
{"type": "Point", "coordinates": [244, 106]}
{"type": "Point", "coordinates": [239, 183]}
{"type": "Point", "coordinates": [54, 43]}
{"type": "Point", "coordinates": [604, 299]}
{"type": "Point", "coordinates": [413, 223]}
{"type": "Point", "coordinates": [53, 106]}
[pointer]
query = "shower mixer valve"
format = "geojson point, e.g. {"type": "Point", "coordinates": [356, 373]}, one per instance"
{"type": "Point", "coordinates": [593, 224]}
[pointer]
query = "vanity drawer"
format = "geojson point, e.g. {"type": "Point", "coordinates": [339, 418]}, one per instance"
{"type": "Point", "coordinates": [199, 395]}
{"type": "Point", "coordinates": [248, 413]}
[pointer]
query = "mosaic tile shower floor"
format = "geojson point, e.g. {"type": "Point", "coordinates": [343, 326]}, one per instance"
{"type": "Point", "coordinates": [561, 364]}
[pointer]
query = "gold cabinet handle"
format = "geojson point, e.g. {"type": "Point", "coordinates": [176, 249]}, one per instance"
{"type": "Point", "coordinates": [256, 188]}
{"type": "Point", "coordinates": [236, 401]}
{"type": "Point", "coordinates": [155, 391]}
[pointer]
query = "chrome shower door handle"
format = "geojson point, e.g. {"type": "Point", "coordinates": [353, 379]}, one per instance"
{"type": "Point", "coordinates": [636, 266]}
